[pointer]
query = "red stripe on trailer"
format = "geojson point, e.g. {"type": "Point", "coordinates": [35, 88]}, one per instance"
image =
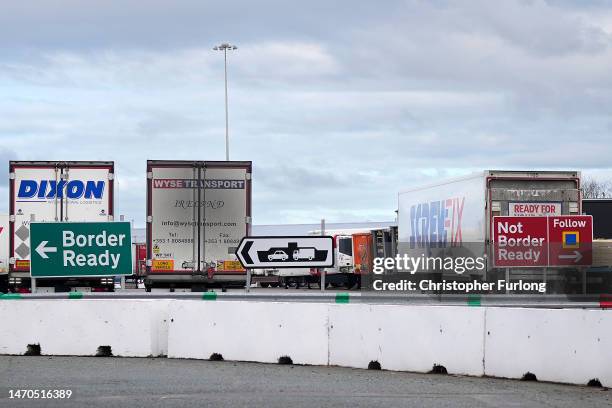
{"type": "Point", "coordinates": [605, 301]}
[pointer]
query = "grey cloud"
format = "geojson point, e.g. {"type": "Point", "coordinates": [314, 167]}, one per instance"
{"type": "Point", "coordinates": [339, 105]}
{"type": "Point", "coordinates": [70, 24]}
{"type": "Point", "coordinates": [6, 155]}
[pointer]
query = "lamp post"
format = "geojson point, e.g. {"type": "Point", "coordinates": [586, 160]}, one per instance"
{"type": "Point", "coordinates": [224, 47]}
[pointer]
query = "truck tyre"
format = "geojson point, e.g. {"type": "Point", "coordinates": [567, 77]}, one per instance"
{"type": "Point", "coordinates": [4, 284]}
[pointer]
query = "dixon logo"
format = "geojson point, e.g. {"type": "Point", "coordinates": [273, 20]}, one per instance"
{"type": "Point", "coordinates": [436, 224]}
{"type": "Point", "coordinates": [56, 189]}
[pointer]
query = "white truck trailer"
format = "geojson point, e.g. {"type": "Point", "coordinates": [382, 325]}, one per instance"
{"type": "Point", "coordinates": [51, 191]}
{"type": "Point", "coordinates": [458, 212]}
{"type": "Point", "coordinates": [197, 213]}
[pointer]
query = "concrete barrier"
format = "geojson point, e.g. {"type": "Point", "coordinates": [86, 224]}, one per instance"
{"type": "Point", "coordinates": [132, 328]}
{"type": "Point", "coordinates": [568, 346]}
{"type": "Point", "coordinates": [249, 331]}
{"type": "Point", "coordinates": [407, 338]}
{"type": "Point", "coordinates": [559, 345]}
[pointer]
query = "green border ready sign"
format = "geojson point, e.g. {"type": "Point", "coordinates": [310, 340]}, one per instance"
{"type": "Point", "coordinates": [72, 249]}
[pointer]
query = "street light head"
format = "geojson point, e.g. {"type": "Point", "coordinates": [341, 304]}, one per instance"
{"type": "Point", "coordinates": [225, 47]}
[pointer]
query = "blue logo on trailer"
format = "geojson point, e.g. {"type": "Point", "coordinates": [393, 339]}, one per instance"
{"type": "Point", "coordinates": [436, 224]}
{"type": "Point", "coordinates": [74, 189]}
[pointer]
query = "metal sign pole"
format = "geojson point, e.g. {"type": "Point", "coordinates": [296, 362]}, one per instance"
{"type": "Point", "coordinates": [32, 280]}
{"type": "Point", "coordinates": [248, 280]}
{"type": "Point", "coordinates": [323, 272]}
{"type": "Point", "coordinates": [507, 280]}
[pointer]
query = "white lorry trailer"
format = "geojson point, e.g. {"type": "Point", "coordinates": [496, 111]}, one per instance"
{"type": "Point", "coordinates": [50, 191]}
{"type": "Point", "coordinates": [197, 213]}
{"type": "Point", "coordinates": [458, 213]}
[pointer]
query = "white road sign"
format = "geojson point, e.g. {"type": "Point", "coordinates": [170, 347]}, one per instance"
{"type": "Point", "coordinates": [286, 252]}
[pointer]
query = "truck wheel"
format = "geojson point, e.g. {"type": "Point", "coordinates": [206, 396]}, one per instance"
{"type": "Point", "coordinates": [351, 282]}
{"type": "Point", "coordinates": [4, 284]}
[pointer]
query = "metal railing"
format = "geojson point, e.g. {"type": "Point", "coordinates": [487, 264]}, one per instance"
{"type": "Point", "coordinates": [529, 301]}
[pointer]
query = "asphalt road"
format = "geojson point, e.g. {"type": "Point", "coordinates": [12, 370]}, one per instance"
{"type": "Point", "coordinates": [159, 382]}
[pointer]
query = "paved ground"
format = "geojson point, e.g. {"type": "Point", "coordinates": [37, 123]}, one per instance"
{"type": "Point", "coordinates": [134, 382]}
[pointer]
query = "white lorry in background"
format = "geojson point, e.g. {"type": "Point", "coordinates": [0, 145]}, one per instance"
{"type": "Point", "coordinates": [49, 191]}
{"type": "Point", "coordinates": [457, 214]}
{"type": "Point", "coordinates": [197, 213]}
{"type": "Point", "coordinates": [354, 249]}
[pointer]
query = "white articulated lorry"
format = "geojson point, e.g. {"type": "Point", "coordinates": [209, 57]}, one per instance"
{"type": "Point", "coordinates": [458, 213]}
{"type": "Point", "coordinates": [354, 249]}
{"type": "Point", "coordinates": [51, 191]}
{"type": "Point", "coordinates": [197, 213]}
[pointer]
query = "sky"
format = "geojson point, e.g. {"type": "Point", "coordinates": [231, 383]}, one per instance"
{"type": "Point", "coordinates": [339, 105]}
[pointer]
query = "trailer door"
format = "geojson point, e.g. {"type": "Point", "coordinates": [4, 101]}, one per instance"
{"type": "Point", "coordinates": [224, 217]}
{"type": "Point", "coordinates": [86, 193]}
{"type": "Point", "coordinates": [34, 196]}
{"type": "Point", "coordinates": [174, 212]}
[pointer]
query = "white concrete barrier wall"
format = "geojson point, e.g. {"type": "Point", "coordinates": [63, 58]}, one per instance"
{"type": "Point", "coordinates": [249, 331]}
{"type": "Point", "coordinates": [407, 338]}
{"type": "Point", "coordinates": [569, 346]}
{"type": "Point", "coordinates": [132, 328]}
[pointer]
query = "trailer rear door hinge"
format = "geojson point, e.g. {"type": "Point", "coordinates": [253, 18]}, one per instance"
{"type": "Point", "coordinates": [12, 176]}
{"type": "Point", "coordinates": [149, 174]}
{"type": "Point", "coordinates": [247, 220]}
{"type": "Point", "coordinates": [12, 218]}
{"type": "Point", "coordinates": [247, 176]}
{"type": "Point", "coordinates": [111, 176]}
{"type": "Point", "coordinates": [149, 218]}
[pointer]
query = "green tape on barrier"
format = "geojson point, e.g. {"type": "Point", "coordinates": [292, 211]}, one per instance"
{"type": "Point", "coordinates": [75, 295]}
{"type": "Point", "coordinates": [342, 297]}
{"type": "Point", "coordinates": [209, 296]}
{"type": "Point", "coordinates": [473, 301]}
{"type": "Point", "coordinates": [9, 296]}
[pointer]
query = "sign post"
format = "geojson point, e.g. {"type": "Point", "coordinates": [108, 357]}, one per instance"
{"type": "Point", "coordinates": [73, 249]}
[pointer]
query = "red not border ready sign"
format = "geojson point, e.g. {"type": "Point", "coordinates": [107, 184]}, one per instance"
{"type": "Point", "coordinates": [542, 241]}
